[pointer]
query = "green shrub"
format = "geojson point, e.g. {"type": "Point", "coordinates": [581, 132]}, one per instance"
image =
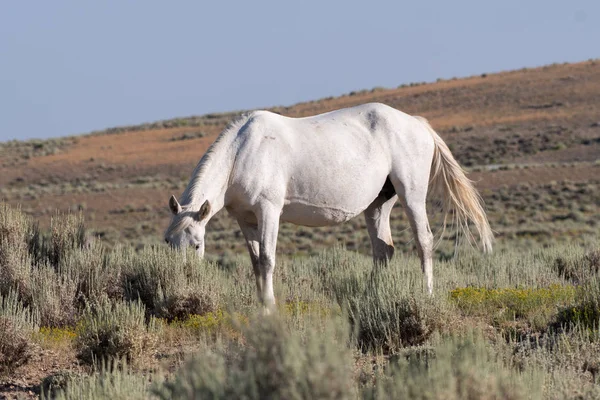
{"type": "Point", "coordinates": [115, 330]}
{"type": "Point", "coordinates": [502, 307]}
{"type": "Point", "coordinates": [53, 296]}
{"type": "Point", "coordinates": [584, 311]}
{"type": "Point", "coordinates": [206, 322]}
{"type": "Point", "coordinates": [505, 267]}
{"type": "Point", "coordinates": [576, 266]}
{"type": "Point", "coordinates": [272, 364]}
{"type": "Point", "coordinates": [387, 308]}
{"type": "Point", "coordinates": [566, 384]}
{"type": "Point", "coordinates": [110, 383]}
{"type": "Point", "coordinates": [56, 338]}
{"type": "Point", "coordinates": [67, 233]}
{"type": "Point", "coordinates": [389, 323]}
{"type": "Point", "coordinates": [56, 273]}
{"type": "Point", "coordinates": [183, 306]}
{"type": "Point", "coordinates": [17, 325]}
{"type": "Point", "coordinates": [188, 136]}
{"type": "Point", "coordinates": [568, 358]}
{"type": "Point", "coordinates": [15, 263]}
{"type": "Point", "coordinates": [459, 368]}
{"type": "Point", "coordinates": [171, 284]}
{"type": "Point", "coordinates": [57, 382]}
{"type": "Point", "coordinates": [94, 273]}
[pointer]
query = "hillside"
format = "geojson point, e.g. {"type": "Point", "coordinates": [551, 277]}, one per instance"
{"type": "Point", "coordinates": [530, 139]}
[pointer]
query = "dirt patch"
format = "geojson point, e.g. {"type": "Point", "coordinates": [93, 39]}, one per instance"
{"type": "Point", "coordinates": [25, 383]}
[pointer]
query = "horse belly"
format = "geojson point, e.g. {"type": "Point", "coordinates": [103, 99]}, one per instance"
{"type": "Point", "coordinates": [341, 199]}
{"type": "Point", "coordinates": [313, 215]}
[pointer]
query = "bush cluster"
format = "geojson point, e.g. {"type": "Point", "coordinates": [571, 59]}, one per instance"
{"type": "Point", "coordinates": [386, 313]}
{"type": "Point", "coordinates": [578, 268]}
{"type": "Point", "coordinates": [584, 311]}
{"type": "Point", "coordinates": [17, 324]}
{"type": "Point", "coordinates": [115, 330]}
{"type": "Point", "coordinates": [272, 364]}
{"type": "Point", "coordinates": [460, 367]}
{"type": "Point", "coordinates": [344, 331]}
{"type": "Point", "coordinates": [112, 381]}
{"type": "Point", "coordinates": [67, 279]}
{"type": "Point", "coordinates": [389, 323]}
{"type": "Point", "coordinates": [169, 284]}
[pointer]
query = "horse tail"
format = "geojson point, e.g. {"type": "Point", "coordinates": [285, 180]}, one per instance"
{"type": "Point", "coordinates": [448, 179]}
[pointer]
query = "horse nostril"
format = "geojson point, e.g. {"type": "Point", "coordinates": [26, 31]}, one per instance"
{"type": "Point", "coordinates": [197, 247]}
{"type": "Point", "coordinates": [167, 241]}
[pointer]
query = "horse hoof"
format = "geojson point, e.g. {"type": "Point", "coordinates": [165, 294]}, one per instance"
{"type": "Point", "coordinates": [267, 311]}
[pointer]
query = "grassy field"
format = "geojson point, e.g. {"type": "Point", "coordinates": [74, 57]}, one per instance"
{"type": "Point", "coordinates": [102, 309]}
{"type": "Point", "coordinates": [80, 321]}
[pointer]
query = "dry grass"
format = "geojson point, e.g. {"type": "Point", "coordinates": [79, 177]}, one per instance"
{"type": "Point", "coordinates": [496, 322]}
{"type": "Point", "coordinates": [535, 123]}
{"type": "Point", "coordinates": [17, 324]}
{"type": "Point", "coordinates": [531, 141]}
{"type": "Point", "coordinates": [114, 331]}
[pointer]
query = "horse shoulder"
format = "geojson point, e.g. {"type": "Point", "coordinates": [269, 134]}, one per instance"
{"type": "Point", "coordinates": [262, 148]}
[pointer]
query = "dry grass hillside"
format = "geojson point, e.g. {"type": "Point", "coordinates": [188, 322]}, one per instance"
{"type": "Point", "coordinates": [521, 323]}
{"type": "Point", "coordinates": [530, 139]}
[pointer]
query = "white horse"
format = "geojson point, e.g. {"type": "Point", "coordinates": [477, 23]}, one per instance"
{"type": "Point", "coordinates": [324, 170]}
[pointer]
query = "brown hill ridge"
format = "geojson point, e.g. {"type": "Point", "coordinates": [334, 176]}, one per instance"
{"type": "Point", "coordinates": [547, 119]}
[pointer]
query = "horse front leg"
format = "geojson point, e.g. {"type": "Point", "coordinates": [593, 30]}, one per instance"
{"type": "Point", "coordinates": [250, 232]}
{"type": "Point", "coordinates": [268, 229]}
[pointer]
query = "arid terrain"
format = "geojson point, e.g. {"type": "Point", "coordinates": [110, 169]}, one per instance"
{"type": "Point", "coordinates": [529, 139]}
{"type": "Point", "coordinates": [529, 131]}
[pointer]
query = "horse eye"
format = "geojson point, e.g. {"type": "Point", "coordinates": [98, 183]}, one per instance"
{"type": "Point", "coordinates": [167, 241]}
{"type": "Point", "coordinates": [197, 247]}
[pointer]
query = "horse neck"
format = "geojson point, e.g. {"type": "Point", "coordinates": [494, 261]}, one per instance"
{"type": "Point", "coordinates": [210, 179]}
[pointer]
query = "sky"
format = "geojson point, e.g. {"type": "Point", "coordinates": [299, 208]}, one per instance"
{"type": "Point", "coordinates": [72, 67]}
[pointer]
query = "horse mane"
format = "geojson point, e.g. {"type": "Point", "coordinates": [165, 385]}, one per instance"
{"type": "Point", "coordinates": [214, 150]}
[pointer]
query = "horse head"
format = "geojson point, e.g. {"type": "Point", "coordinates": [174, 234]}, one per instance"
{"type": "Point", "coordinates": [187, 226]}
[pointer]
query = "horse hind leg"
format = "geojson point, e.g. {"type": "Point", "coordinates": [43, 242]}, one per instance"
{"type": "Point", "coordinates": [377, 218]}
{"type": "Point", "coordinates": [413, 201]}
{"type": "Point", "coordinates": [417, 215]}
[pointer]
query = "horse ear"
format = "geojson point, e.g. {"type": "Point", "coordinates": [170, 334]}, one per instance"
{"type": "Point", "coordinates": [204, 210]}
{"type": "Point", "coordinates": [174, 205]}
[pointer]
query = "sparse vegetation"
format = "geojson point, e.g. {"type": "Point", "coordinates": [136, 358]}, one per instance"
{"type": "Point", "coordinates": [512, 308]}
{"type": "Point", "coordinates": [56, 383]}
{"type": "Point", "coordinates": [20, 152]}
{"type": "Point", "coordinates": [385, 312]}
{"type": "Point", "coordinates": [457, 368]}
{"type": "Point", "coordinates": [585, 311]}
{"type": "Point", "coordinates": [109, 383]}
{"type": "Point", "coordinates": [273, 363]}
{"type": "Point", "coordinates": [193, 121]}
{"type": "Point", "coordinates": [17, 325]}
{"type": "Point", "coordinates": [171, 286]}
{"type": "Point", "coordinates": [111, 331]}
{"type": "Point", "coordinates": [188, 136]}
{"type": "Point", "coordinates": [520, 323]}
